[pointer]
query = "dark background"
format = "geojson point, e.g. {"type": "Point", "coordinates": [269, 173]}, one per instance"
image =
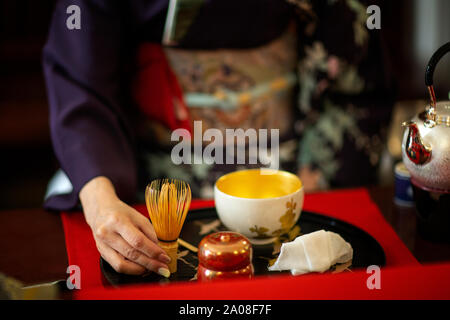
{"type": "Point", "coordinates": [27, 161]}
{"type": "Point", "coordinates": [411, 31]}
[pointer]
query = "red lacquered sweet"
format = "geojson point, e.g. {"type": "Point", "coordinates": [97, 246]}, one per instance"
{"type": "Point", "coordinates": [224, 255]}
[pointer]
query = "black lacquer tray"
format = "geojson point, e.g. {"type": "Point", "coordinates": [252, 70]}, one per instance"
{"type": "Point", "coordinates": [366, 250]}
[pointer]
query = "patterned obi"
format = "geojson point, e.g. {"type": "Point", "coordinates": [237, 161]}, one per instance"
{"type": "Point", "coordinates": [229, 89]}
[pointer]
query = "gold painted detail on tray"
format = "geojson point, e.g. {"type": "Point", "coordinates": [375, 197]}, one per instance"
{"type": "Point", "coordinates": [286, 237]}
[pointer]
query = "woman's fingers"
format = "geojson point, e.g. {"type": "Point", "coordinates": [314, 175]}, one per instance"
{"type": "Point", "coordinates": [125, 238]}
{"type": "Point", "coordinates": [118, 262]}
{"type": "Point", "coordinates": [139, 241]}
{"type": "Point", "coordinates": [145, 226]}
{"type": "Point", "coordinates": [130, 253]}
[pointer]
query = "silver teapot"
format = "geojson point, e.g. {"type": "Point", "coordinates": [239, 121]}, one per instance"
{"type": "Point", "coordinates": [426, 141]}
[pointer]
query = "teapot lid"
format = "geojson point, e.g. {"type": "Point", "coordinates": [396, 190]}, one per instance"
{"type": "Point", "coordinates": [442, 112]}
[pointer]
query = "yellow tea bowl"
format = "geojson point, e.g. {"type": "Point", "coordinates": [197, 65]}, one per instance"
{"type": "Point", "coordinates": [261, 204]}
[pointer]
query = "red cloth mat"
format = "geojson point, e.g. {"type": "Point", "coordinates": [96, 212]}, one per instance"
{"type": "Point", "coordinates": [408, 282]}
{"type": "Point", "coordinates": [353, 206]}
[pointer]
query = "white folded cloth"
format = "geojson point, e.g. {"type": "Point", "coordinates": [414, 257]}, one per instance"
{"type": "Point", "coordinates": [313, 252]}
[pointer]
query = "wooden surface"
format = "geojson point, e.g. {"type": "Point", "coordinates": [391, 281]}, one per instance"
{"type": "Point", "coordinates": [404, 221]}
{"type": "Point", "coordinates": [32, 247]}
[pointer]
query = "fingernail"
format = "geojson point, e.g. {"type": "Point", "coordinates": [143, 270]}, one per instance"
{"type": "Point", "coordinates": [164, 272]}
{"type": "Point", "coordinates": [164, 258]}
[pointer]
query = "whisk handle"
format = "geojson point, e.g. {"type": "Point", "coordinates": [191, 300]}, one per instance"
{"type": "Point", "coordinates": [171, 248]}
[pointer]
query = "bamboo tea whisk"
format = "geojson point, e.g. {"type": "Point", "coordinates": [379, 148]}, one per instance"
{"type": "Point", "coordinates": [168, 202]}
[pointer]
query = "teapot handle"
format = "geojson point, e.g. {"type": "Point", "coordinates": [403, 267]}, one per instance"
{"type": "Point", "coordinates": [433, 62]}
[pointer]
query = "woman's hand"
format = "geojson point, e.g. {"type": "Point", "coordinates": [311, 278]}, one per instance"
{"type": "Point", "coordinates": [124, 237]}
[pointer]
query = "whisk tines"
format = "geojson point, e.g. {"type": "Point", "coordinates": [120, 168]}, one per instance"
{"type": "Point", "coordinates": [168, 202]}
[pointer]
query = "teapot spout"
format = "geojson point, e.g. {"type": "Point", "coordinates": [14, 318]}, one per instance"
{"type": "Point", "coordinates": [415, 149]}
